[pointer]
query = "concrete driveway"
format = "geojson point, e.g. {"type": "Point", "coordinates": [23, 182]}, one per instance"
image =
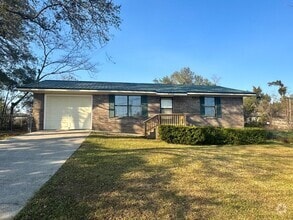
{"type": "Point", "coordinates": [28, 161]}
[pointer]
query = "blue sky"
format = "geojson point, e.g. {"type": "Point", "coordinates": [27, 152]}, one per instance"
{"type": "Point", "coordinates": [244, 42]}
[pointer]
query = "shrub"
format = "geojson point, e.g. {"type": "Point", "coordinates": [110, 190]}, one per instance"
{"type": "Point", "coordinates": [255, 124]}
{"type": "Point", "coordinates": [211, 135]}
{"type": "Point", "coordinates": [279, 135]}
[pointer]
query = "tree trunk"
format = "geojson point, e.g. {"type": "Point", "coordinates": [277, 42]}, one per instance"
{"type": "Point", "coordinates": [13, 104]}
{"type": "Point", "coordinates": [11, 115]}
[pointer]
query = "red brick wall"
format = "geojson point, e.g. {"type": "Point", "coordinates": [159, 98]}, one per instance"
{"type": "Point", "coordinates": [38, 111]}
{"type": "Point", "coordinates": [232, 113]}
{"type": "Point", "coordinates": [186, 105]}
{"type": "Point", "coordinates": [102, 121]}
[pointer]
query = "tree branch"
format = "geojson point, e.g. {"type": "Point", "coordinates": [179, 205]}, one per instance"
{"type": "Point", "coordinates": [34, 18]}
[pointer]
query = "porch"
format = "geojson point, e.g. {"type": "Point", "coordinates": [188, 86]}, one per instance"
{"type": "Point", "coordinates": [152, 123]}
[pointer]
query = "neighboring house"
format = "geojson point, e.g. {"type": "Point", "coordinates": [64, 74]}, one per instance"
{"type": "Point", "coordinates": [132, 107]}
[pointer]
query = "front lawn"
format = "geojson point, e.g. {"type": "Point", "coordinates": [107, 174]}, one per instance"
{"type": "Point", "coordinates": [135, 178]}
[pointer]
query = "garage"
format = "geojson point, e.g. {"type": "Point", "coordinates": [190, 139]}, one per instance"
{"type": "Point", "coordinates": [66, 112]}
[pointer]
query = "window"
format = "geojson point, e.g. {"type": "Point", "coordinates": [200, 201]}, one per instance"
{"type": "Point", "coordinates": [210, 107]}
{"type": "Point", "coordinates": [166, 105]}
{"type": "Point", "coordinates": [135, 107]}
{"type": "Point", "coordinates": [123, 106]}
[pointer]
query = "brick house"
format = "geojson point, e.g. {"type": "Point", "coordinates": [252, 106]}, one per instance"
{"type": "Point", "coordinates": [132, 107]}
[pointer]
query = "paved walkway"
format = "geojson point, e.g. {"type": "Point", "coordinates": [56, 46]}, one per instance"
{"type": "Point", "coordinates": [28, 161]}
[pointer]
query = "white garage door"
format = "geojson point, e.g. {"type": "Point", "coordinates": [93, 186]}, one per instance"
{"type": "Point", "coordinates": [68, 112]}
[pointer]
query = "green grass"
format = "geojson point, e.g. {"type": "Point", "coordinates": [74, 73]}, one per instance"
{"type": "Point", "coordinates": [135, 178]}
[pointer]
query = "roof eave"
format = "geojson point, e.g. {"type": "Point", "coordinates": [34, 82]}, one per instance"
{"type": "Point", "coordinates": [87, 91]}
{"type": "Point", "coordinates": [219, 94]}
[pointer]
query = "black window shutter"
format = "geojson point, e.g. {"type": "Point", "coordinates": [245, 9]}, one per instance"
{"type": "Point", "coordinates": [111, 106]}
{"type": "Point", "coordinates": [218, 107]}
{"type": "Point", "coordinates": [202, 110]}
{"type": "Point", "coordinates": [144, 105]}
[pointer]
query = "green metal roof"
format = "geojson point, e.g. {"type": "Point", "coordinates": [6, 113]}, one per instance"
{"type": "Point", "coordinates": [129, 87]}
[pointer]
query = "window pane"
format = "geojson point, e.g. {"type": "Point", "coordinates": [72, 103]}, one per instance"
{"type": "Point", "coordinates": [120, 111]}
{"type": "Point", "coordinates": [120, 100]}
{"type": "Point", "coordinates": [209, 101]}
{"type": "Point", "coordinates": [166, 103]}
{"type": "Point", "coordinates": [134, 111]}
{"type": "Point", "coordinates": [210, 111]}
{"type": "Point", "coordinates": [135, 100]}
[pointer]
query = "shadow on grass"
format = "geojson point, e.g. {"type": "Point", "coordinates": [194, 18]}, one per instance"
{"type": "Point", "coordinates": [169, 182]}
{"type": "Point", "coordinates": [117, 136]}
{"type": "Point", "coordinates": [281, 143]}
{"type": "Point", "coordinates": [102, 183]}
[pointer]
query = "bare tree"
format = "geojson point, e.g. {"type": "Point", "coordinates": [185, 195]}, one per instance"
{"type": "Point", "coordinates": [51, 38]}
{"type": "Point", "coordinates": [61, 59]}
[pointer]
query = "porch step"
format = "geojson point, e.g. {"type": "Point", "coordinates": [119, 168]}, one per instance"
{"type": "Point", "coordinates": [151, 135]}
